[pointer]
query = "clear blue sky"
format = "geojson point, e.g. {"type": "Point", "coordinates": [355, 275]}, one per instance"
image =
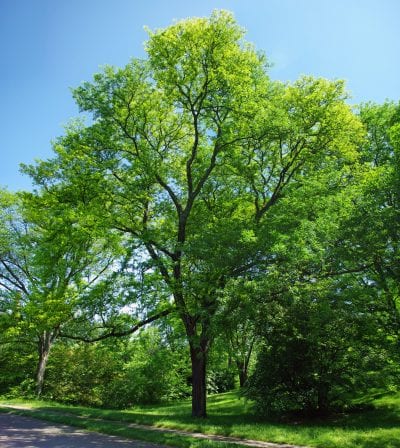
{"type": "Point", "coordinates": [48, 46]}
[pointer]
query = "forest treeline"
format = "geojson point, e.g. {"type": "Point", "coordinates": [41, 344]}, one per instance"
{"type": "Point", "coordinates": [204, 227]}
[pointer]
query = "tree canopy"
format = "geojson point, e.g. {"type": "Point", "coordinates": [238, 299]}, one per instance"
{"type": "Point", "coordinates": [214, 181]}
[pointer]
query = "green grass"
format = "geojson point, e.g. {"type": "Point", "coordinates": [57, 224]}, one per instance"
{"type": "Point", "coordinates": [119, 429]}
{"type": "Point", "coordinates": [229, 415]}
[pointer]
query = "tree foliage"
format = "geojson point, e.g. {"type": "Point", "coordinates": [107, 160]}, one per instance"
{"type": "Point", "coordinates": [188, 153]}
{"type": "Point", "coordinates": [219, 193]}
{"type": "Point", "coordinates": [47, 268]}
{"type": "Point", "coordinates": [320, 351]}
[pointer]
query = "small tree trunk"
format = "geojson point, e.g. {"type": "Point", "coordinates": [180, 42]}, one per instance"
{"type": "Point", "coordinates": [242, 374]}
{"type": "Point", "coordinates": [45, 343]}
{"type": "Point", "coordinates": [323, 404]}
{"type": "Point", "coordinates": [243, 365]}
{"type": "Point", "coordinates": [199, 388]}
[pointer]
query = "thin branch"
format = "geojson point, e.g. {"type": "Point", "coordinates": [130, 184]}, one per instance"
{"type": "Point", "coordinates": [6, 286]}
{"type": "Point", "coordinates": [206, 175]}
{"type": "Point", "coordinates": [16, 282]}
{"type": "Point", "coordinates": [115, 333]}
{"type": "Point", "coordinates": [285, 175]}
{"type": "Point", "coordinates": [155, 257]}
{"type": "Point", "coordinates": [193, 154]}
{"type": "Point", "coordinates": [171, 193]}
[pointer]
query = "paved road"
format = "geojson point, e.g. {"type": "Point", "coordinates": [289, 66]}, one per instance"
{"type": "Point", "coordinates": [25, 432]}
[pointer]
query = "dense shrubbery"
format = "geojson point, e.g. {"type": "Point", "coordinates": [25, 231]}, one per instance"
{"type": "Point", "coordinates": [114, 373]}
{"type": "Point", "coordinates": [219, 381]}
{"type": "Point", "coordinates": [117, 374]}
{"type": "Point", "coordinates": [316, 358]}
{"type": "Point", "coordinates": [17, 364]}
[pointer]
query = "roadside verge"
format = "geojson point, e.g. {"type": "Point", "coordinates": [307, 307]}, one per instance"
{"type": "Point", "coordinates": [172, 437]}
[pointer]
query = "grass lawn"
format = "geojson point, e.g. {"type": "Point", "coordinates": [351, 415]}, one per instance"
{"type": "Point", "coordinates": [230, 415]}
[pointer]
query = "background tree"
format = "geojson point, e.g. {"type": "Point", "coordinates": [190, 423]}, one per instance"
{"type": "Point", "coordinates": [234, 325]}
{"type": "Point", "coordinates": [376, 219]}
{"type": "Point", "coordinates": [46, 266]}
{"type": "Point", "coordinates": [327, 319]}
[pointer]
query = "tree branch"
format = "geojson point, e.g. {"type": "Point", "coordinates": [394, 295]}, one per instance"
{"type": "Point", "coordinates": [171, 193]}
{"type": "Point", "coordinates": [16, 282]}
{"type": "Point", "coordinates": [115, 333]}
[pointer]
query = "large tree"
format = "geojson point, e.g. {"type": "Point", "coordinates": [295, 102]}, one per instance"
{"type": "Point", "coordinates": [189, 152]}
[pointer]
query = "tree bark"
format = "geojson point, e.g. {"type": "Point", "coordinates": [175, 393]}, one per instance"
{"type": "Point", "coordinates": [198, 358]}
{"type": "Point", "coordinates": [323, 404]}
{"type": "Point", "coordinates": [242, 368]}
{"type": "Point", "coordinates": [198, 345]}
{"type": "Point", "coordinates": [45, 343]}
{"type": "Point", "coordinates": [243, 364]}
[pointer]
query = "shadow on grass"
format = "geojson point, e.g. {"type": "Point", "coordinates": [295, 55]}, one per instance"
{"type": "Point", "coordinates": [384, 417]}
{"type": "Point", "coordinates": [376, 442]}
{"type": "Point", "coordinates": [378, 428]}
{"type": "Point", "coordinates": [366, 427]}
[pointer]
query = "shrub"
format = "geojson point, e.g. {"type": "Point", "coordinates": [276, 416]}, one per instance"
{"type": "Point", "coordinates": [316, 358]}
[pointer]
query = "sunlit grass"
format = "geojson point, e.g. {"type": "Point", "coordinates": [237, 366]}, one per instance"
{"type": "Point", "coordinates": [231, 415]}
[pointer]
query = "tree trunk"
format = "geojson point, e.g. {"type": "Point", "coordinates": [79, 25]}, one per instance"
{"type": "Point", "coordinates": [45, 343]}
{"type": "Point", "coordinates": [323, 404]}
{"type": "Point", "coordinates": [198, 344]}
{"type": "Point", "coordinates": [198, 357]}
{"type": "Point", "coordinates": [243, 364]}
{"type": "Point", "coordinates": [242, 374]}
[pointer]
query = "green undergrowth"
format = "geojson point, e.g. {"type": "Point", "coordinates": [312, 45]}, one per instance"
{"type": "Point", "coordinates": [374, 426]}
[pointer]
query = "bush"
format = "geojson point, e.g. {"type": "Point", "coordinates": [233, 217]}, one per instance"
{"type": "Point", "coordinates": [219, 381]}
{"type": "Point", "coordinates": [158, 375]}
{"type": "Point", "coordinates": [117, 373]}
{"type": "Point", "coordinates": [316, 358]}
{"type": "Point", "coordinates": [17, 368]}
{"type": "Point", "coordinates": [25, 389]}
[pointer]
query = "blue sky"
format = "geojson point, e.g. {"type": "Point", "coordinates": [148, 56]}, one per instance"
{"type": "Point", "coordinates": [49, 46]}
